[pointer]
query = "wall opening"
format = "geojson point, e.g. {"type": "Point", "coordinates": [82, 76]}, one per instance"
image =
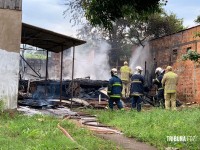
{"type": "Point", "coordinates": [188, 48]}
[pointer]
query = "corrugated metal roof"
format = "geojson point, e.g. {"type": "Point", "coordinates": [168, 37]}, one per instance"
{"type": "Point", "coordinates": [47, 39]}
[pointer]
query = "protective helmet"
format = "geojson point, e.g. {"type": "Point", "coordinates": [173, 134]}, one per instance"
{"type": "Point", "coordinates": [138, 68]}
{"type": "Point", "coordinates": [158, 70]}
{"type": "Point", "coordinates": [125, 63]}
{"type": "Point", "coordinates": [169, 68]}
{"type": "Point", "coordinates": [114, 71]}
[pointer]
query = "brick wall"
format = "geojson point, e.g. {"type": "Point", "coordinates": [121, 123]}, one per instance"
{"type": "Point", "coordinates": [168, 50]}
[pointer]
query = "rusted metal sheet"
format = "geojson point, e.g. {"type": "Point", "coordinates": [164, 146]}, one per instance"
{"type": "Point", "coordinates": [11, 4]}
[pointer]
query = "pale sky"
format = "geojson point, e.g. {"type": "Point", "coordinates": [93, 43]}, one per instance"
{"type": "Point", "coordinates": [186, 9]}
{"type": "Point", "coordinates": [48, 14]}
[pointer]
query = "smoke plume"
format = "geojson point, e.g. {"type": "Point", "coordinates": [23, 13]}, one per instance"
{"type": "Point", "coordinates": [141, 55]}
{"type": "Point", "coordinates": [89, 62]}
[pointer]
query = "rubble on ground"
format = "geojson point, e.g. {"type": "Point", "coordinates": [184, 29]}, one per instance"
{"type": "Point", "coordinates": [46, 94]}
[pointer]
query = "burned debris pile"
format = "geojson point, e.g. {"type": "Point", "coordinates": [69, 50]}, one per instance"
{"type": "Point", "coordinates": [50, 93]}
{"type": "Point", "coordinates": [86, 93]}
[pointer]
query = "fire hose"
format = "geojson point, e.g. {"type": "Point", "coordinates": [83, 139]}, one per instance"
{"type": "Point", "coordinates": [93, 127]}
{"type": "Point", "coordinates": [67, 134]}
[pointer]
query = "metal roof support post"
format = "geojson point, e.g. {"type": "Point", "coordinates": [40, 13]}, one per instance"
{"type": "Point", "coordinates": [72, 85]}
{"type": "Point", "coordinates": [47, 63]}
{"type": "Point", "coordinates": [46, 75]}
{"type": "Point", "coordinates": [145, 68]}
{"type": "Point", "coordinates": [61, 70]}
{"type": "Point", "coordinates": [145, 73]}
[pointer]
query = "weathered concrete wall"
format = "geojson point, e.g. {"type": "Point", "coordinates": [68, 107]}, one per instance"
{"type": "Point", "coordinates": [10, 30]}
{"type": "Point", "coordinates": [9, 68]}
{"type": "Point", "coordinates": [168, 50]}
{"type": "Point", "coordinates": [10, 39]}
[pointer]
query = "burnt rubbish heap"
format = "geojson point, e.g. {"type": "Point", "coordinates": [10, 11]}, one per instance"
{"type": "Point", "coordinates": [47, 93]}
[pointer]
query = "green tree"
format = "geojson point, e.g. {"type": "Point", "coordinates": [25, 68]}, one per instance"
{"type": "Point", "coordinates": [104, 12]}
{"type": "Point", "coordinates": [154, 26]}
{"type": "Point", "coordinates": [119, 50]}
{"type": "Point", "coordinates": [197, 20]}
{"type": "Point", "coordinates": [160, 24]}
{"type": "Point", "coordinates": [192, 54]}
{"type": "Point", "coordinates": [129, 32]}
{"type": "Point", "coordinates": [130, 23]}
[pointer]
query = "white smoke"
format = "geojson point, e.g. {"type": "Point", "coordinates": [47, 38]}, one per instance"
{"type": "Point", "coordinates": [89, 62]}
{"type": "Point", "coordinates": [141, 55]}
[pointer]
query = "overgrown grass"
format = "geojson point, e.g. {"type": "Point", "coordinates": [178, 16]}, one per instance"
{"type": "Point", "coordinates": [155, 126]}
{"type": "Point", "coordinates": [20, 132]}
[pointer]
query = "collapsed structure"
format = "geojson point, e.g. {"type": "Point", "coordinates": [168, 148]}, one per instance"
{"type": "Point", "coordinates": [47, 41]}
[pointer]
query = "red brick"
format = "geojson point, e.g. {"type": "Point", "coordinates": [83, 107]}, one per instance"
{"type": "Point", "coordinates": [189, 72]}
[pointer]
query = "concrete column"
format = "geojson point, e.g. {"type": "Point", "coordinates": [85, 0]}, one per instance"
{"type": "Point", "coordinates": [10, 39]}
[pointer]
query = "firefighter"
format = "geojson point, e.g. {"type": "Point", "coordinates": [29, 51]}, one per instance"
{"type": "Point", "coordinates": [137, 88]}
{"type": "Point", "coordinates": [114, 90]}
{"type": "Point", "coordinates": [125, 72]}
{"type": "Point", "coordinates": [160, 91]}
{"type": "Point", "coordinates": [169, 82]}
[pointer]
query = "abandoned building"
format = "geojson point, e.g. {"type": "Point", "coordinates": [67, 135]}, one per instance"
{"type": "Point", "coordinates": [168, 50]}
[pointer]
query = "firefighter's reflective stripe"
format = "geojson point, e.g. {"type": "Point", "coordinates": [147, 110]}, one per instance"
{"type": "Point", "coordinates": [160, 89]}
{"type": "Point", "coordinates": [108, 92]}
{"type": "Point", "coordinates": [115, 96]}
{"type": "Point", "coordinates": [117, 84]}
{"type": "Point", "coordinates": [136, 94]}
{"type": "Point", "coordinates": [136, 81]}
{"type": "Point", "coordinates": [157, 80]}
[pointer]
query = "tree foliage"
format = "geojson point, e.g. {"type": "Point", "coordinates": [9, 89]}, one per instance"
{"type": "Point", "coordinates": [128, 32]}
{"type": "Point", "coordinates": [104, 12]}
{"type": "Point", "coordinates": [130, 22]}
{"type": "Point", "coordinates": [191, 55]}
{"type": "Point", "coordinates": [119, 50]}
{"type": "Point", "coordinates": [160, 24]}
{"type": "Point", "coordinates": [197, 20]}
{"type": "Point", "coordinates": [156, 25]}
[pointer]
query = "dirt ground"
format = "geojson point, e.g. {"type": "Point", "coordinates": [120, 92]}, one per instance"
{"type": "Point", "coordinates": [126, 143]}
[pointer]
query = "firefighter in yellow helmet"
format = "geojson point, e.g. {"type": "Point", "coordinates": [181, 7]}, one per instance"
{"type": "Point", "coordinates": [126, 73]}
{"type": "Point", "coordinates": [169, 82]}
